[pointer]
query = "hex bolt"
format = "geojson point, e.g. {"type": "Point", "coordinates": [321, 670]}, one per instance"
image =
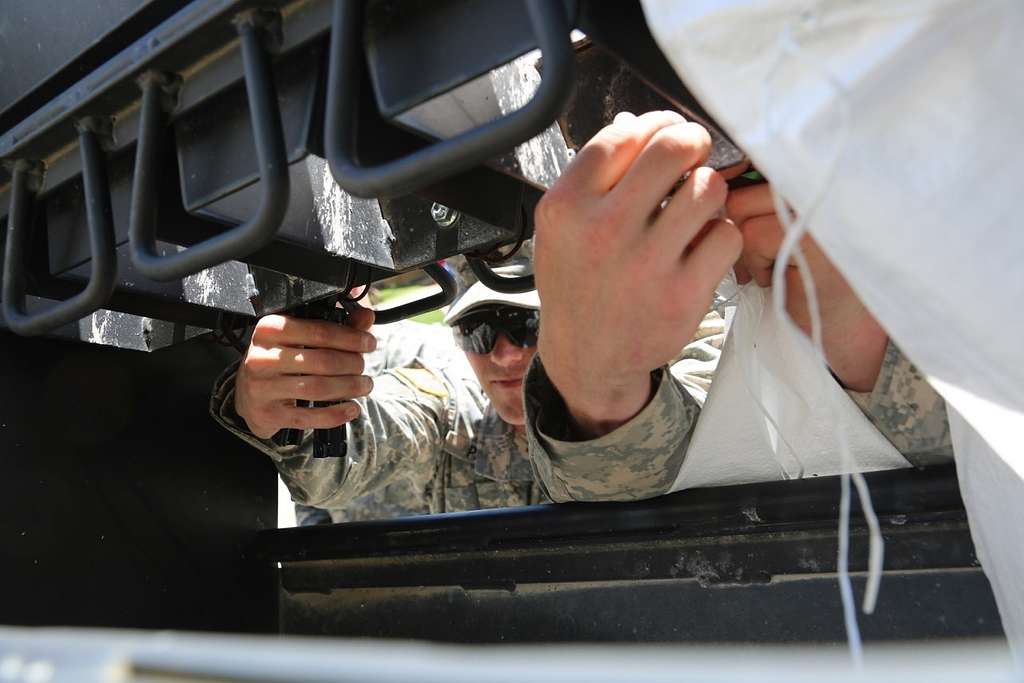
{"type": "Point", "coordinates": [443, 216]}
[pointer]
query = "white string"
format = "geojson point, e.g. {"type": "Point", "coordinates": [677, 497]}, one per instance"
{"type": "Point", "coordinates": [794, 231]}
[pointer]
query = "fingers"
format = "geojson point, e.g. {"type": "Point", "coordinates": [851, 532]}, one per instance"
{"type": "Point", "coordinates": [289, 416]}
{"type": "Point", "coordinates": [698, 201]}
{"type": "Point", "coordinates": [741, 272]}
{"type": "Point", "coordinates": [711, 257]}
{"type": "Point", "coordinates": [736, 170]}
{"type": "Point", "coordinates": [746, 202]}
{"type": "Point", "coordinates": [762, 237]}
{"type": "Point", "coordinates": [310, 387]}
{"type": "Point", "coordinates": [264, 362]}
{"type": "Point", "coordinates": [361, 318]}
{"type": "Point", "coordinates": [668, 155]}
{"type": "Point", "coordinates": [603, 161]}
{"type": "Point", "coordinates": [280, 330]}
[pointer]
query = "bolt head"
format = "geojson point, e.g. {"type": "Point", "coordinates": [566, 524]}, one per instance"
{"type": "Point", "coordinates": [443, 216]}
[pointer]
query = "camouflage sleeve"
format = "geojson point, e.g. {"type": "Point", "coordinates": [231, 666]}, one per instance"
{"type": "Point", "coordinates": [907, 411]}
{"type": "Point", "coordinates": [638, 460]}
{"type": "Point", "coordinates": [398, 434]}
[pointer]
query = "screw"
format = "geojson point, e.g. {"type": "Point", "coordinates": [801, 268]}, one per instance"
{"type": "Point", "coordinates": [443, 216]}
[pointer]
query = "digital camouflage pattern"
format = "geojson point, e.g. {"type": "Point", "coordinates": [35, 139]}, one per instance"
{"type": "Point", "coordinates": [908, 411]}
{"type": "Point", "coordinates": [398, 345]}
{"type": "Point", "coordinates": [403, 343]}
{"type": "Point", "coordinates": [636, 461]}
{"type": "Point", "coordinates": [426, 440]}
{"type": "Point", "coordinates": [642, 458]}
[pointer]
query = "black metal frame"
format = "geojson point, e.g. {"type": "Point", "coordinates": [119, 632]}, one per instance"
{"type": "Point", "coordinates": [742, 563]}
{"type": "Point", "coordinates": [108, 39]}
{"type": "Point", "coordinates": [122, 497]}
{"type": "Point", "coordinates": [103, 274]}
{"type": "Point", "coordinates": [621, 29]}
{"type": "Point", "coordinates": [243, 239]}
{"type": "Point", "coordinates": [175, 44]}
{"type": "Point", "coordinates": [500, 283]}
{"type": "Point", "coordinates": [444, 158]}
{"type": "Point", "coordinates": [447, 295]}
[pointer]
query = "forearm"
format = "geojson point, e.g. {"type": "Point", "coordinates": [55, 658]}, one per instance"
{"type": "Point", "coordinates": [855, 351]}
{"type": "Point", "coordinates": [595, 403]}
{"type": "Point", "coordinates": [907, 411]}
{"type": "Point", "coordinates": [394, 436]}
{"type": "Point", "coordinates": [594, 412]}
{"type": "Point", "coordinates": [311, 481]}
{"type": "Point", "coordinates": [640, 459]}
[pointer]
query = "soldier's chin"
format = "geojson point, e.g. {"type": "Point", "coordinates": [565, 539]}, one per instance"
{"type": "Point", "coordinates": [512, 413]}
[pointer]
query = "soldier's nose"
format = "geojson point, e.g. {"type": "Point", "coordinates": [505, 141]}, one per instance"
{"type": "Point", "coordinates": [507, 354]}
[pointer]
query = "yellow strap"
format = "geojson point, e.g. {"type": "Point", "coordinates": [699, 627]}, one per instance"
{"type": "Point", "coordinates": [422, 380]}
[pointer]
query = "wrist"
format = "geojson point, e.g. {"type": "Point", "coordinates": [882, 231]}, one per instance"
{"type": "Point", "coordinates": [592, 419]}
{"type": "Point", "coordinates": [241, 409]}
{"type": "Point", "coordinates": [597, 405]}
{"type": "Point", "coordinates": [855, 354]}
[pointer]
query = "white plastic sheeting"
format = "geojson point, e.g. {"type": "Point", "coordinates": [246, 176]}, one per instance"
{"type": "Point", "coordinates": [781, 405]}
{"type": "Point", "coordinates": [894, 127]}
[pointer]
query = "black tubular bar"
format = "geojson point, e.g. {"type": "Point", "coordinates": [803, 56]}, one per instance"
{"type": "Point", "coordinates": [447, 157]}
{"type": "Point", "coordinates": [103, 264]}
{"type": "Point", "coordinates": [500, 283]}
{"type": "Point", "coordinates": [447, 294]}
{"type": "Point", "coordinates": [242, 240]}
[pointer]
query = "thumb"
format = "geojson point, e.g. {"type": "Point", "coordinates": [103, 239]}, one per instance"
{"type": "Point", "coordinates": [361, 318]}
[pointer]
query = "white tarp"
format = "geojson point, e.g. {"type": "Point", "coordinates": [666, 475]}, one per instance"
{"type": "Point", "coordinates": [895, 126]}
{"type": "Point", "coordinates": [781, 406]}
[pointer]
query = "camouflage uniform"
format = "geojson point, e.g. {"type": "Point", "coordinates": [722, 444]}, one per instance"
{"type": "Point", "coordinates": [424, 433]}
{"type": "Point", "coordinates": [642, 458]}
{"type": "Point", "coordinates": [402, 343]}
{"type": "Point", "coordinates": [398, 345]}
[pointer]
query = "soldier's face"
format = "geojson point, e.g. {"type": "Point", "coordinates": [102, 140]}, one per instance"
{"type": "Point", "coordinates": [501, 375]}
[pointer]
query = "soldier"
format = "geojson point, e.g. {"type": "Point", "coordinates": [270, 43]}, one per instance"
{"type": "Point", "coordinates": [622, 433]}
{"type": "Point", "coordinates": [398, 345]}
{"type": "Point", "coordinates": [447, 436]}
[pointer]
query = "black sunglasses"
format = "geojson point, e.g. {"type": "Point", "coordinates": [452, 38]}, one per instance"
{"type": "Point", "coordinates": [478, 332]}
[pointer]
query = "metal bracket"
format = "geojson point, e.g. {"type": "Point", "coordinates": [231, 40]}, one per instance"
{"type": "Point", "coordinates": [447, 157]}
{"type": "Point", "coordinates": [447, 294]}
{"type": "Point", "coordinates": [103, 273]}
{"type": "Point", "coordinates": [500, 283]}
{"type": "Point", "coordinates": [242, 240]}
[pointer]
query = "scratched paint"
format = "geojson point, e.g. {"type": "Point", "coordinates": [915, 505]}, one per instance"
{"type": "Point", "coordinates": [542, 158]}
{"type": "Point", "coordinates": [349, 226]}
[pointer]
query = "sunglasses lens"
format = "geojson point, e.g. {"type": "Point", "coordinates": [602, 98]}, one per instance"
{"type": "Point", "coordinates": [524, 328]}
{"type": "Point", "coordinates": [478, 334]}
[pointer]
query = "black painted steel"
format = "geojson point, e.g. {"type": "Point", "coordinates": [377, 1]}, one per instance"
{"type": "Point", "coordinates": [621, 28]}
{"type": "Point", "coordinates": [500, 283]}
{"type": "Point", "coordinates": [740, 563]}
{"type": "Point", "coordinates": [123, 504]}
{"type": "Point", "coordinates": [445, 158]}
{"type": "Point", "coordinates": [416, 51]}
{"type": "Point", "coordinates": [241, 240]}
{"type": "Point", "coordinates": [932, 494]}
{"type": "Point", "coordinates": [103, 270]}
{"type": "Point", "coordinates": [88, 38]}
{"type": "Point", "coordinates": [447, 294]}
